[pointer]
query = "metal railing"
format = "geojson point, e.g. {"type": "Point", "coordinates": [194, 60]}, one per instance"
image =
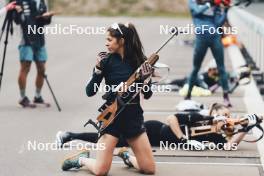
{"type": "Point", "coordinates": [250, 33]}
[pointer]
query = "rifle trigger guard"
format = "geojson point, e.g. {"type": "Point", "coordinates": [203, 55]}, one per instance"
{"type": "Point", "coordinates": [90, 121]}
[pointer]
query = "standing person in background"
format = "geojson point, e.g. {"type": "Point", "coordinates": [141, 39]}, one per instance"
{"type": "Point", "coordinates": [208, 15]}
{"type": "Point", "coordinates": [32, 13]}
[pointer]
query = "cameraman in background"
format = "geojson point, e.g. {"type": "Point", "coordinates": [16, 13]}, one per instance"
{"type": "Point", "coordinates": [209, 14]}
{"type": "Point", "coordinates": [32, 13]}
{"type": "Point", "coordinates": [10, 6]}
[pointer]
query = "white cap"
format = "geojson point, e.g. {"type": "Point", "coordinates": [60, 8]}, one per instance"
{"type": "Point", "coordinates": [188, 105]}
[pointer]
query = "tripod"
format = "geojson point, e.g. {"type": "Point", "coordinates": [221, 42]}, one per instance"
{"type": "Point", "coordinates": [52, 93]}
{"type": "Point", "coordinates": [8, 27]}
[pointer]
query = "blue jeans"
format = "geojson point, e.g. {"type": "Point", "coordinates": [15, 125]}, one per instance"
{"type": "Point", "coordinates": [202, 43]}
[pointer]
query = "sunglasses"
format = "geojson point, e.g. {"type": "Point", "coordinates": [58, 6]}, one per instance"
{"type": "Point", "coordinates": [116, 27]}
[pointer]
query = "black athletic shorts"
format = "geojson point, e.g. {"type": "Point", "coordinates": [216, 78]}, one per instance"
{"type": "Point", "coordinates": [128, 124]}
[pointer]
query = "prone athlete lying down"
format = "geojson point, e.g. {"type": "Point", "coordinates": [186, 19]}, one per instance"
{"type": "Point", "coordinates": [209, 79]}
{"type": "Point", "coordinates": [173, 132]}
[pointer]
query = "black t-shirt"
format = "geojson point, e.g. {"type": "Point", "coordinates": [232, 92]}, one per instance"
{"type": "Point", "coordinates": [209, 80]}
{"type": "Point", "coordinates": [29, 18]}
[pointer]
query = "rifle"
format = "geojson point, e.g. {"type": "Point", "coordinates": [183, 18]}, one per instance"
{"type": "Point", "coordinates": [243, 77]}
{"type": "Point", "coordinates": [229, 127]}
{"type": "Point", "coordinates": [109, 111]}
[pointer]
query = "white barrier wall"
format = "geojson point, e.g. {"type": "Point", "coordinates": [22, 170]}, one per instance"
{"type": "Point", "coordinates": [250, 32]}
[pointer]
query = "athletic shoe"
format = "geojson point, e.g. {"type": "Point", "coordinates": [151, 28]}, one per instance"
{"type": "Point", "coordinates": [124, 155]}
{"type": "Point", "coordinates": [38, 100]}
{"type": "Point", "coordinates": [196, 91]}
{"type": "Point", "coordinates": [227, 103]}
{"type": "Point", "coordinates": [73, 161]}
{"type": "Point", "coordinates": [62, 137]}
{"type": "Point", "coordinates": [187, 98]}
{"type": "Point", "coordinates": [25, 103]}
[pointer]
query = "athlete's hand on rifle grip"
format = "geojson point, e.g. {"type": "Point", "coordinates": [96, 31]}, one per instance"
{"type": "Point", "coordinates": [252, 119]}
{"type": "Point", "coordinates": [146, 70]}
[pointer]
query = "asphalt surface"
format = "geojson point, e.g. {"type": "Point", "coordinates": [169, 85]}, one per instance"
{"type": "Point", "coordinates": [71, 59]}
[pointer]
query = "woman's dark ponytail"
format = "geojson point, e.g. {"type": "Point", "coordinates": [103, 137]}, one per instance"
{"type": "Point", "coordinates": [137, 54]}
{"type": "Point", "coordinates": [134, 51]}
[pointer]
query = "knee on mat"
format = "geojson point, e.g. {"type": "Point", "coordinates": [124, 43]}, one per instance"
{"type": "Point", "coordinates": [149, 170]}
{"type": "Point", "coordinates": [101, 170]}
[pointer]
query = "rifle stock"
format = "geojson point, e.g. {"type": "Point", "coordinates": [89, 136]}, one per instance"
{"type": "Point", "coordinates": [108, 115]}
{"type": "Point", "coordinates": [227, 127]}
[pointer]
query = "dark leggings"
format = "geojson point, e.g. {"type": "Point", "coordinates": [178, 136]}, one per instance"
{"type": "Point", "coordinates": [153, 129]}
{"type": "Point", "coordinates": [202, 43]}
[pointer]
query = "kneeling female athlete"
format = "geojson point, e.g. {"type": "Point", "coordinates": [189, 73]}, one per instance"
{"type": "Point", "coordinates": [125, 56]}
